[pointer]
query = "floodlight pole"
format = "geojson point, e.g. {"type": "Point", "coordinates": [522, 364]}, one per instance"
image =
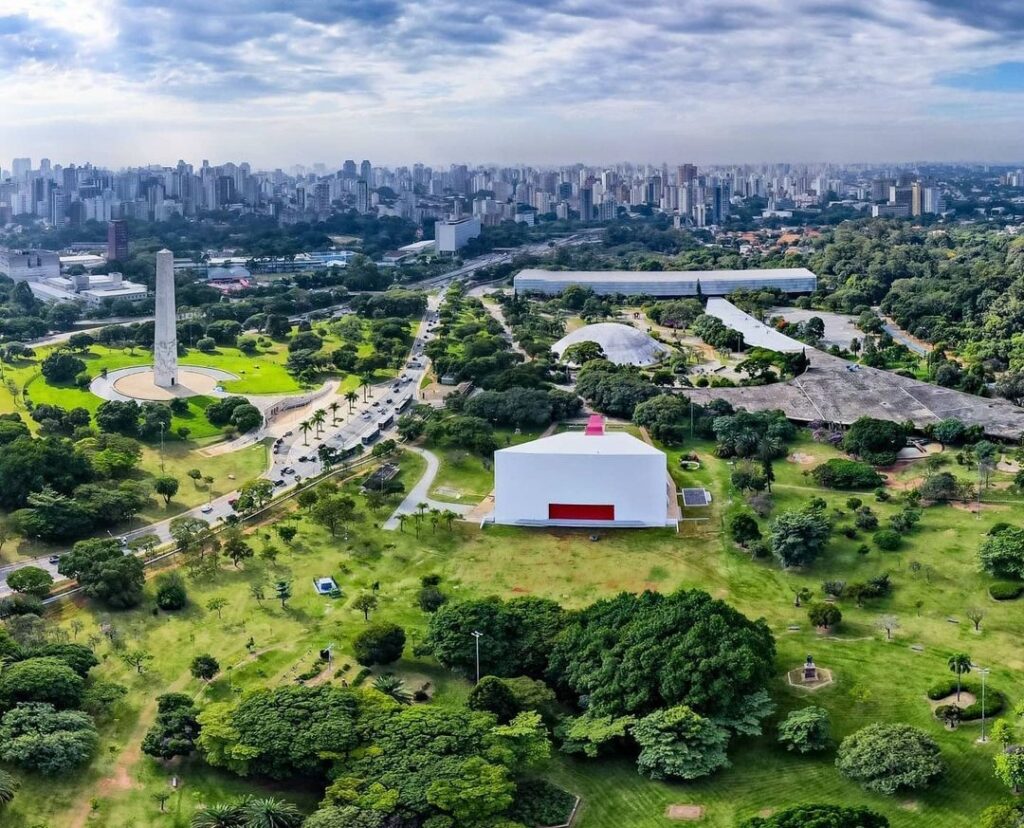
{"type": "Point", "coordinates": [477, 635]}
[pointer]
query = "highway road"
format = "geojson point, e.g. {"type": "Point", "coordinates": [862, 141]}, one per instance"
{"type": "Point", "coordinates": [294, 458]}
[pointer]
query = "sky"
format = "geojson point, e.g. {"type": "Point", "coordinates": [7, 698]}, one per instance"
{"type": "Point", "coordinates": [543, 82]}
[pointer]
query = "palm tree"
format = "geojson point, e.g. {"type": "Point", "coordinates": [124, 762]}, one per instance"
{"type": "Point", "coordinates": [392, 686]}
{"type": "Point", "coordinates": [8, 787]}
{"type": "Point", "coordinates": [365, 382]}
{"type": "Point", "coordinates": [959, 663]}
{"type": "Point", "coordinates": [768, 448]}
{"type": "Point", "coordinates": [270, 813]}
{"type": "Point", "coordinates": [352, 397]}
{"type": "Point", "coordinates": [448, 516]}
{"type": "Point", "coordinates": [422, 507]}
{"type": "Point", "coordinates": [435, 517]}
{"type": "Point", "coordinates": [402, 517]}
{"type": "Point", "coordinates": [334, 406]}
{"type": "Point", "coordinates": [319, 416]}
{"type": "Point", "coordinates": [219, 816]}
{"type": "Point", "coordinates": [305, 427]}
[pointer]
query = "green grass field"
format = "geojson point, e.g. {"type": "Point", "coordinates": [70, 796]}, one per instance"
{"type": "Point", "coordinates": [875, 679]}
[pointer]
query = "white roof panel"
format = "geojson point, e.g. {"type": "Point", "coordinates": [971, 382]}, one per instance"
{"type": "Point", "coordinates": [576, 442]}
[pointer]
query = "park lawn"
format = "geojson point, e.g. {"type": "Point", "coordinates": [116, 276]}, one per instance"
{"type": "Point", "coordinates": [465, 477]}
{"type": "Point", "coordinates": [229, 471]}
{"type": "Point", "coordinates": [875, 680]}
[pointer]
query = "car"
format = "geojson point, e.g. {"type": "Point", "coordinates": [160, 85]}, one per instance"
{"type": "Point", "coordinates": [279, 482]}
{"type": "Point", "coordinates": [377, 404]}
{"type": "Point", "coordinates": [288, 470]}
{"type": "Point", "coordinates": [53, 560]}
{"type": "Point", "coordinates": [288, 434]}
{"type": "Point", "coordinates": [206, 509]}
{"type": "Point", "coordinates": [304, 459]}
{"type": "Point", "coordinates": [366, 415]}
{"type": "Point", "coordinates": [389, 400]}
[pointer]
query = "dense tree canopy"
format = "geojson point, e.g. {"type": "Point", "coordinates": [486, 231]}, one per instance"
{"type": "Point", "coordinates": [634, 654]}
{"type": "Point", "coordinates": [820, 816]}
{"type": "Point", "coordinates": [875, 441]}
{"type": "Point", "coordinates": [105, 572]}
{"type": "Point", "coordinates": [39, 738]}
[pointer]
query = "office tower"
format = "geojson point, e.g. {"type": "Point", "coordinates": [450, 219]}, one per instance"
{"type": "Point", "coordinates": [586, 203]}
{"type": "Point", "coordinates": [117, 240]}
{"type": "Point", "coordinates": [20, 168]}
{"type": "Point", "coordinates": [165, 340]}
{"type": "Point", "coordinates": [880, 189]}
{"type": "Point", "coordinates": [366, 172]}
{"type": "Point", "coordinates": [348, 169]}
{"type": "Point", "coordinates": [916, 198]}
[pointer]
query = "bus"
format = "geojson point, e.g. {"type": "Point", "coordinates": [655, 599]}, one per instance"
{"type": "Point", "coordinates": [404, 404]}
{"type": "Point", "coordinates": [370, 436]}
{"type": "Point", "coordinates": [385, 421]}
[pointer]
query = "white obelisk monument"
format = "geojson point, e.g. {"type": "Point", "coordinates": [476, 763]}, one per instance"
{"type": "Point", "coordinates": [165, 342]}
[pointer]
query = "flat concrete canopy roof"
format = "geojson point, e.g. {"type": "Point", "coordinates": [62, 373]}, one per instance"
{"type": "Point", "coordinates": [834, 390]}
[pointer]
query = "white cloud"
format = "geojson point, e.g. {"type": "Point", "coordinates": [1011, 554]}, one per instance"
{"type": "Point", "coordinates": [278, 81]}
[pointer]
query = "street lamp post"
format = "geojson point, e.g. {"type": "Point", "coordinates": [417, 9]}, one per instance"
{"type": "Point", "coordinates": [161, 446]}
{"type": "Point", "coordinates": [477, 635]}
{"type": "Point", "coordinates": [984, 672]}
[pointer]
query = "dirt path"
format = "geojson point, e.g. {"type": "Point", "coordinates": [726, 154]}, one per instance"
{"type": "Point", "coordinates": [120, 778]}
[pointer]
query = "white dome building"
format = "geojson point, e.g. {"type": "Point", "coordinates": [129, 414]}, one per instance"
{"type": "Point", "coordinates": [622, 344]}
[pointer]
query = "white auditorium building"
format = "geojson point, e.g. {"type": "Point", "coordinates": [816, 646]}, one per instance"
{"type": "Point", "coordinates": [592, 478]}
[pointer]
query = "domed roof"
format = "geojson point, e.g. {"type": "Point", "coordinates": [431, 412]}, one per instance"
{"type": "Point", "coordinates": [622, 344]}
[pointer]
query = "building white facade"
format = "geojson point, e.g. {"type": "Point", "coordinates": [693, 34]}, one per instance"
{"type": "Point", "coordinates": [592, 478]}
{"type": "Point", "coordinates": [666, 283]}
{"type": "Point", "coordinates": [29, 265]}
{"type": "Point", "coordinates": [455, 234]}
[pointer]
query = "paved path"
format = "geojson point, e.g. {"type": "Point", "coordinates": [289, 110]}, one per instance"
{"type": "Point", "coordinates": [418, 493]}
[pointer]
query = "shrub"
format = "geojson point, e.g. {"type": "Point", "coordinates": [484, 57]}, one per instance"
{"type": "Point", "coordinates": [820, 816]}
{"type": "Point", "coordinates": [379, 644]}
{"type": "Point", "coordinates": [846, 474]}
{"type": "Point", "coordinates": [866, 519]}
{"type": "Point", "coordinates": [1005, 590]}
{"type": "Point", "coordinates": [430, 598]}
{"type": "Point", "coordinates": [824, 615]}
{"type": "Point", "coordinates": [995, 701]}
{"type": "Point", "coordinates": [887, 540]}
{"type": "Point", "coordinates": [805, 730]}
{"type": "Point", "coordinates": [835, 588]}
{"type": "Point", "coordinates": [885, 758]}
{"type": "Point", "coordinates": [854, 503]}
{"type": "Point", "coordinates": [170, 592]}
{"type": "Point", "coordinates": [538, 802]}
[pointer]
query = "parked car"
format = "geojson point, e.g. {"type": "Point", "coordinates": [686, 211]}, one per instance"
{"type": "Point", "coordinates": [53, 560]}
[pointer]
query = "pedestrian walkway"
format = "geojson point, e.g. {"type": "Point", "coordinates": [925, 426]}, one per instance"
{"type": "Point", "coordinates": [418, 493]}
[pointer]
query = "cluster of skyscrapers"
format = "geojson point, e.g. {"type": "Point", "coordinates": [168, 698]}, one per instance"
{"type": "Point", "coordinates": [70, 195]}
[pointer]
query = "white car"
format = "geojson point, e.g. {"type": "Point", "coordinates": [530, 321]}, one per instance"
{"type": "Point", "coordinates": [206, 509]}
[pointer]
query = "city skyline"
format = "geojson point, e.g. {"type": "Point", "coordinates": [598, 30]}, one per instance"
{"type": "Point", "coordinates": [544, 82]}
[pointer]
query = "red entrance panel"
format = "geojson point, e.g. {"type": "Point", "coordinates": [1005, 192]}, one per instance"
{"type": "Point", "coordinates": [580, 511]}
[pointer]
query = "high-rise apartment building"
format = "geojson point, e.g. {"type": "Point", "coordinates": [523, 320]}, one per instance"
{"type": "Point", "coordinates": [117, 240]}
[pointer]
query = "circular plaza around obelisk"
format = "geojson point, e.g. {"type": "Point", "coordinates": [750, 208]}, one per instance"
{"type": "Point", "coordinates": [139, 383]}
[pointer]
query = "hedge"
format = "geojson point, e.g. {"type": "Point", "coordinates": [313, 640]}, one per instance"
{"type": "Point", "coordinates": [539, 803]}
{"type": "Point", "coordinates": [1005, 590]}
{"type": "Point", "coordinates": [846, 474]}
{"type": "Point", "coordinates": [995, 701]}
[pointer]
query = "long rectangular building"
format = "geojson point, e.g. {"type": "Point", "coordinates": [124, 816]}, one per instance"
{"type": "Point", "coordinates": [666, 283]}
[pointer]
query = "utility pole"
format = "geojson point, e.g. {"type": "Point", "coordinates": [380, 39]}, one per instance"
{"type": "Point", "coordinates": [161, 446]}
{"type": "Point", "coordinates": [984, 672]}
{"type": "Point", "coordinates": [477, 635]}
